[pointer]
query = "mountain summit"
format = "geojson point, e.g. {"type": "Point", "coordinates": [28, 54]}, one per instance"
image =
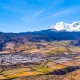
{"type": "Point", "coordinates": [61, 26]}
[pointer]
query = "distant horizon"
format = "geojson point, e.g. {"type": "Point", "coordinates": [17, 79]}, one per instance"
{"type": "Point", "coordinates": [34, 15]}
{"type": "Point", "coordinates": [37, 30]}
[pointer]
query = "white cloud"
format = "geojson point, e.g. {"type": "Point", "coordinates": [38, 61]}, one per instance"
{"type": "Point", "coordinates": [33, 16]}
{"type": "Point", "coordinates": [64, 12]}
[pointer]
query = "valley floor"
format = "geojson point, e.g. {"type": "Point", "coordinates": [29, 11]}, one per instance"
{"type": "Point", "coordinates": [57, 60]}
{"type": "Point", "coordinates": [31, 67]}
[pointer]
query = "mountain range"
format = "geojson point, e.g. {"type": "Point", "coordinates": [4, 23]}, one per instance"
{"type": "Point", "coordinates": [59, 31]}
{"type": "Point", "coordinates": [61, 26]}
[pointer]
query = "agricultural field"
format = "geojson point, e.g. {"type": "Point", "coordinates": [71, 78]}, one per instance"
{"type": "Point", "coordinates": [40, 61]}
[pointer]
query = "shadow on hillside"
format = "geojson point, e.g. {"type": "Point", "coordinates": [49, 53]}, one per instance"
{"type": "Point", "coordinates": [64, 70]}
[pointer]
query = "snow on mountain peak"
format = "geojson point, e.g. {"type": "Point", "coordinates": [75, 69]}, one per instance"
{"type": "Point", "coordinates": [61, 26]}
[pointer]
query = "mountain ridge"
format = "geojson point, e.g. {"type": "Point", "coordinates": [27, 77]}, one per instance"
{"type": "Point", "coordinates": [49, 34]}
{"type": "Point", "coordinates": [61, 26]}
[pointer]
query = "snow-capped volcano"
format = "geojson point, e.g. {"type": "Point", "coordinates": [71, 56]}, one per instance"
{"type": "Point", "coordinates": [61, 26]}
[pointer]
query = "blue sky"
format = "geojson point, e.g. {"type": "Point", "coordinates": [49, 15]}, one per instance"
{"type": "Point", "coordinates": [33, 15]}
